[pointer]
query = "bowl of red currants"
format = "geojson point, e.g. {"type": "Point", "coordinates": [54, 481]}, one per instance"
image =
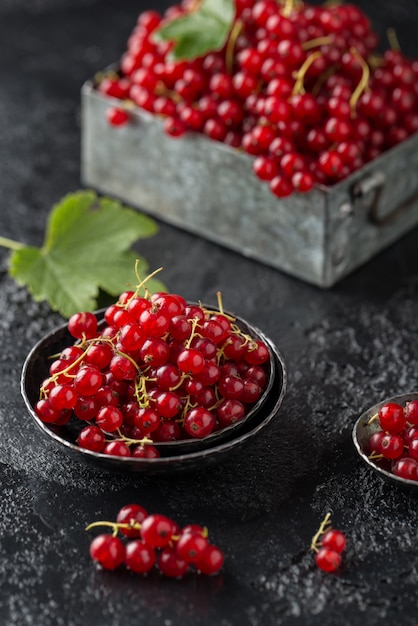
{"type": "Point", "coordinates": [386, 438]}
{"type": "Point", "coordinates": [153, 383]}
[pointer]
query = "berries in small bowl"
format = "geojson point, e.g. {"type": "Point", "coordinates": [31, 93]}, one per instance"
{"type": "Point", "coordinates": [153, 378]}
{"type": "Point", "coordinates": [386, 438]}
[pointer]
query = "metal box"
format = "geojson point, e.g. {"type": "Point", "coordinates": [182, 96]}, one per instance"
{"type": "Point", "coordinates": [208, 188]}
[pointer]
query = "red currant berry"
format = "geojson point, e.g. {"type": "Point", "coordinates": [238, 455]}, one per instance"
{"type": "Point", "coordinates": [406, 468]}
{"type": "Point", "coordinates": [281, 187]}
{"type": "Point", "coordinates": [91, 438]}
{"type": "Point", "coordinates": [108, 551]}
{"type": "Point", "coordinates": [109, 418]}
{"type": "Point", "coordinates": [211, 560]}
{"type": "Point", "coordinates": [145, 452]}
{"type": "Point", "coordinates": [133, 515]}
{"type": "Point", "coordinates": [199, 422]}
{"type": "Point", "coordinates": [411, 412]}
{"type": "Point", "coordinates": [334, 540]}
{"type": "Point", "coordinates": [190, 361]}
{"type": "Point", "coordinates": [88, 380]}
{"type": "Point", "coordinates": [191, 546]}
{"type": "Point", "coordinates": [392, 446]}
{"type": "Point", "coordinates": [392, 418]}
{"type": "Point", "coordinates": [257, 352]}
{"type": "Point", "coordinates": [140, 557]}
{"type": "Point", "coordinates": [117, 448]}
{"type": "Point", "coordinates": [170, 564]}
{"type": "Point", "coordinates": [230, 411]}
{"type": "Point", "coordinates": [117, 117]}
{"type": "Point", "coordinates": [122, 367]}
{"type": "Point", "coordinates": [63, 397]}
{"type": "Point", "coordinates": [86, 408]}
{"type": "Point", "coordinates": [375, 442]}
{"type": "Point", "coordinates": [157, 530]}
{"type": "Point", "coordinates": [413, 449]}
{"type": "Point", "coordinates": [147, 420]}
{"type": "Point", "coordinates": [46, 412]}
{"type": "Point", "coordinates": [328, 560]}
{"type": "Point", "coordinates": [174, 127]}
{"type": "Point", "coordinates": [99, 355]}
{"type": "Point", "coordinates": [83, 325]}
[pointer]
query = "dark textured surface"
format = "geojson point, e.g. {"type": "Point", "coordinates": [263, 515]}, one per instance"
{"type": "Point", "coordinates": [345, 350]}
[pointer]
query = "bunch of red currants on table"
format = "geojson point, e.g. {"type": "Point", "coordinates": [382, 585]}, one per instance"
{"type": "Point", "coordinates": [142, 542]}
{"type": "Point", "coordinates": [300, 88]}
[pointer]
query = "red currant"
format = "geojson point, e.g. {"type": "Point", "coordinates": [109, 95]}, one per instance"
{"type": "Point", "coordinates": [108, 551]}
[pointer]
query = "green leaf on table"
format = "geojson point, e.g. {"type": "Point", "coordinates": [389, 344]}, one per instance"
{"type": "Point", "coordinates": [86, 249]}
{"type": "Point", "coordinates": [200, 31]}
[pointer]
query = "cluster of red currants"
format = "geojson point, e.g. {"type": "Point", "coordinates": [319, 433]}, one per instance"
{"type": "Point", "coordinates": [396, 442]}
{"type": "Point", "coordinates": [328, 545]}
{"type": "Point", "coordinates": [154, 540]}
{"type": "Point", "coordinates": [300, 88]}
{"type": "Point", "coordinates": [158, 369]}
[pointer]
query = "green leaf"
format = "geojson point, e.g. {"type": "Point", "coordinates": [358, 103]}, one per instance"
{"type": "Point", "coordinates": [200, 31]}
{"type": "Point", "coordinates": [86, 249]}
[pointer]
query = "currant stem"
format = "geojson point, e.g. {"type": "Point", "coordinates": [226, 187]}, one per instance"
{"type": "Point", "coordinates": [229, 53]}
{"type": "Point", "coordinates": [5, 242]}
{"type": "Point", "coordinates": [142, 282]}
{"type": "Point", "coordinates": [363, 83]}
{"type": "Point", "coordinates": [161, 90]}
{"type": "Point", "coordinates": [373, 456]}
{"type": "Point", "coordinates": [288, 7]}
{"type": "Point", "coordinates": [130, 442]}
{"type": "Point", "coordinates": [114, 525]}
{"type": "Point", "coordinates": [195, 322]}
{"type": "Point", "coordinates": [64, 371]}
{"type": "Point", "coordinates": [393, 40]}
{"type": "Point", "coordinates": [372, 419]}
{"type": "Point", "coordinates": [313, 43]}
{"type": "Point", "coordinates": [220, 305]}
{"type": "Point", "coordinates": [321, 530]}
{"type": "Point", "coordinates": [300, 74]}
{"type": "Point", "coordinates": [141, 392]}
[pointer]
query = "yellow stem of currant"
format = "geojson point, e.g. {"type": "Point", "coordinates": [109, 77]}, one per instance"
{"type": "Point", "coordinates": [363, 83]}
{"type": "Point", "coordinates": [141, 392]}
{"type": "Point", "coordinates": [373, 419]}
{"type": "Point", "coordinates": [195, 322]}
{"type": "Point", "coordinates": [314, 43]}
{"type": "Point", "coordinates": [288, 7]}
{"type": "Point", "coordinates": [64, 372]}
{"type": "Point", "coordinates": [321, 530]}
{"type": "Point", "coordinates": [142, 282]}
{"type": "Point", "coordinates": [374, 457]}
{"type": "Point", "coordinates": [230, 46]}
{"type": "Point", "coordinates": [129, 441]}
{"type": "Point", "coordinates": [220, 305]}
{"type": "Point", "coordinates": [300, 74]}
{"type": "Point", "coordinates": [114, 525]}
{"type": "Point", "coordinates": [393, 40]}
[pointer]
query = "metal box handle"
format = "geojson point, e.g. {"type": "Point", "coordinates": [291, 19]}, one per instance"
{"type": "Point", "coordinates": [374, 184]}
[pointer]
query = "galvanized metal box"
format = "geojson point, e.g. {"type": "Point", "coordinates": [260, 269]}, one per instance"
{"type": "Point", "coordinates": [209, 189]}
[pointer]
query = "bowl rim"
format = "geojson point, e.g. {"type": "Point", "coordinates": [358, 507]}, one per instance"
{"type": "Point", "coordinates": [362, 422]}
{"type": "Point", "coordinates": [105, 459]}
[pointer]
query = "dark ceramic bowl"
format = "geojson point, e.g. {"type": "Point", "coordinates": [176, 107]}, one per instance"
{"type": "Point", "coordinates": [363, 430]}
{"type": "Point", "coordinates": [175, 456]}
